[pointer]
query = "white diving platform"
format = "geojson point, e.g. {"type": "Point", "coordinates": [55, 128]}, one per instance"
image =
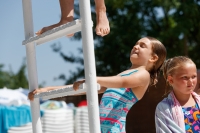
{"type": "Point", "coordinates": [63, 92]}
{"type": "Point", "coordinates": [63, 30]}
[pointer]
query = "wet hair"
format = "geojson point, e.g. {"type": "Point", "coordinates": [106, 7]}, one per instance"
{"type": "Point", "coordinates": [159, 49]}
{"type": "Point", "coordinates": [171, 65]}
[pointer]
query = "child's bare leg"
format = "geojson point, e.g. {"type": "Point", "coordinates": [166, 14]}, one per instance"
{"type": "Point", "coordinates": [102, 27]}
{"type": "Point", "coordinates": [67, 15]}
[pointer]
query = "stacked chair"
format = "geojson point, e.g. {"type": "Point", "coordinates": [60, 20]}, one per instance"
{"type": "Point", "coordinates": [81, 120]}
{"type": "Point", "coordinates": [58, 121]}
{"type": "Point", "coordinates": [21, 129]}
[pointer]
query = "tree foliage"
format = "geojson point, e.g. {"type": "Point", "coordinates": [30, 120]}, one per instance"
{"type": "Point", "coordinates": [175, 23]}
{"type": "Point", "coordinates": [11, 80]}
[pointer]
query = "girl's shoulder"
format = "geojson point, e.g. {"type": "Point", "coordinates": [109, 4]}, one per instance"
{"type": "Point", "coordinates": [141, 77]}
{"type": "Point", "coordinates": [126, 72]}
{"type": "Point", "coordinates": [165, 104]}
{"type": "Point", "coordinates": [131, 71]}
{"type": "Point", "coordinates": [142, 73]}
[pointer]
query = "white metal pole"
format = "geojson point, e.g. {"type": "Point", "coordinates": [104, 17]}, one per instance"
{"type": "Point", "coordinates": [31, 65]}
{"type": "Point", "coordinates": [89, 64]}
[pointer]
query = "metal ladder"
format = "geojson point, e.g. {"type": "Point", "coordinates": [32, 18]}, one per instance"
{"type": "Point", "coordinates": [85, 26]}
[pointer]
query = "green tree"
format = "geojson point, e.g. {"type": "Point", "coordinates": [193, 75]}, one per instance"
{"type": "Point", "coordinates": [11, 80]}
{"type": "Point", "coordinates": [175, 23]}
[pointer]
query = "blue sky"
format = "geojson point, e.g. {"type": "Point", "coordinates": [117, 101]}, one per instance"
{"type": "Point", "coordinates": [12, 52]}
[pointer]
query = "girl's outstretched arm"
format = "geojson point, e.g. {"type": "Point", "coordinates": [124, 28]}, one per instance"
{"type": "Point", "coordinates": [77, 83]}
{"type": "Point", "coordinates": [137, 79]}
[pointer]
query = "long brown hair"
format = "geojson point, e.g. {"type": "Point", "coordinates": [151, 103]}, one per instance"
{"type": "Point", "coordinates": [159, 49]}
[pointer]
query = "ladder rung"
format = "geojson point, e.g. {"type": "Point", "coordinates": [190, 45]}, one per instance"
{"type": "Point", "coordinates": [63, 30]}
{"type": "Point", "coordinates": [63, 92]}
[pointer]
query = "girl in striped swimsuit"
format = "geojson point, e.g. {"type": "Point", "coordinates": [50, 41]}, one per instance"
{"type": "Point", "coordinates": [122, 91]}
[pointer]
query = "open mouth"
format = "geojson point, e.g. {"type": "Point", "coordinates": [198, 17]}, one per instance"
{"type": "Point", "coordinates": [135, 52]}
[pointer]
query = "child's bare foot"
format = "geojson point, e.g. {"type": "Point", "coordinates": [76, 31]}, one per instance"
{"type": "Point", "coordinates": [102, 27]}
{"type": "Point", "coordinates": [44, 29]}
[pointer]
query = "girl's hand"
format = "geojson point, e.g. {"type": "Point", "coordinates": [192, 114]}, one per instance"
{"type": "Point", "coordinates": [77, 83]}
{"type": "Point", "coordinates": [31, 94]}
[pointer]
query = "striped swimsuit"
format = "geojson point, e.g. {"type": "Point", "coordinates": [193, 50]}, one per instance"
{"type": "Point", "coordinates": [114, 106]}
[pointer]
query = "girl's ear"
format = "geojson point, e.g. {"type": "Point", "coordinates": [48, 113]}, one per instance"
{"type": "Point", "coordinates": [154, 58]}
{"type": "Point", "coordinates": [170, 80]}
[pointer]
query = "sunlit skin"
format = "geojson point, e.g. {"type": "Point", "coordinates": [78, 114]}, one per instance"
{"type": "Point", "coordinates": [184, 81]}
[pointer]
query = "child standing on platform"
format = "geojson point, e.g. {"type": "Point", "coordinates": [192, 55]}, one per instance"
{"type": "Point", "coordinates": [180, 111]}
{"type": "Point", "coordinates": [67, 15]}
{"type": "Point", "coordinates": [122, 91]}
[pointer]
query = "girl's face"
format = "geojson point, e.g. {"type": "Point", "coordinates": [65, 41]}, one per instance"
{"type": "Point", "coordinates": [184, 79]}
{"type": "Point", "coordinates": [141, 52]}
